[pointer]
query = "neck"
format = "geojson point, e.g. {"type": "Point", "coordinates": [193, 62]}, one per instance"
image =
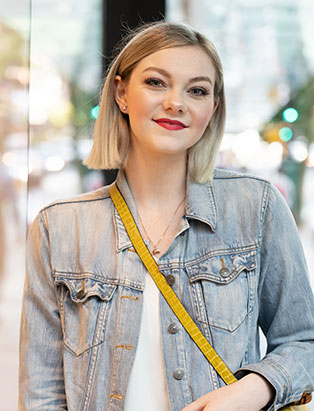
{"type": "Point", "coordinates": [156, 180]}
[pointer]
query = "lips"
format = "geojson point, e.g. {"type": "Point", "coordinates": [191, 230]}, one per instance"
{"type": "Point", "coordinates": [170, 124]}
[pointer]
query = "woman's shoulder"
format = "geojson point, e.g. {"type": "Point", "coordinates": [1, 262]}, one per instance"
{"type": "Point", "coordinates": [238, 183]}
{"type": "Point", "coordinates": [100, 196]}
{"type": "Point", "coordinates": [223, 174]}
{"type": "Point", "coordinates": [246, 189]}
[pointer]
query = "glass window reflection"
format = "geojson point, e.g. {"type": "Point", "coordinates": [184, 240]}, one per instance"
{"type": "Point", "coordinates": [50, 69]}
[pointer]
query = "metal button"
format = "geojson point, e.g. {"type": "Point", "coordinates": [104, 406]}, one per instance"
{"type": "Point", "coordinates": [178, 374]}
{"type": "Point", "coordinates": [224, 272]}
{"type": "Point", "coordinates": [173, 328]}
{"type": "Point", "coordinates": [170, 279]}
{"type": "Point", "coordinates": [81, 294]}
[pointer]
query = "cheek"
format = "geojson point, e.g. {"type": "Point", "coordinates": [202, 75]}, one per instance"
{"type": "Point", "coordinates": [140, 107]}
{"type": "Point", "coordinates": [204, 119]}
{"type": "Point", "coordinates": [208, 112]}
{"type": "Point", "coordinates": [136, 113]}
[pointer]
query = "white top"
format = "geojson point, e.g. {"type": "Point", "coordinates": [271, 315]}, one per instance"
{"type": "Point", "coordinates": [147, 386]}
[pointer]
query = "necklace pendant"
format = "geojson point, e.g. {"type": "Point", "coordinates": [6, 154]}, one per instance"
{"type": "Point", "coordinates": [155, 251]}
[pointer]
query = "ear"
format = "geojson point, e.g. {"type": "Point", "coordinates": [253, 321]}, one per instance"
{"type": "Point", "coordinates": [216, 104]}
{"type": "Point", "coordinates": [120, 94]}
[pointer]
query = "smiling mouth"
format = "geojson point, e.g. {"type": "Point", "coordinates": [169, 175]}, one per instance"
{"type": "Point", "coordinates": [170, 124]}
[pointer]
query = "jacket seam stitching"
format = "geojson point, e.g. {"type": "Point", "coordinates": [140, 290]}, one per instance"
{"type": "Point", "coordinates": [284, 372]}
{"type": "Point", "coordinates": [74, 202]}
{"type": "Point", "coordinates": [236, 176]}
{"type": "Point", "coordinates": [110, 281]}
{"type": "Point", "coordinates": [249, 248]}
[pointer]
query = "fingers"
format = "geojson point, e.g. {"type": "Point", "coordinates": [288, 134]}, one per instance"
{"type": "Point", "coordinates": [198, 405]}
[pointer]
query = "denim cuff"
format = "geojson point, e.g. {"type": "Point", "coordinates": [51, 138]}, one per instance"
{"type": "Point", "coordinates": [276, 376]}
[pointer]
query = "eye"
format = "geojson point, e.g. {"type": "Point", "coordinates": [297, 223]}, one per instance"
{"type": "Point", "coordinates": [155, 82]}
{"type": "Point", "coordinates": [199, 91]}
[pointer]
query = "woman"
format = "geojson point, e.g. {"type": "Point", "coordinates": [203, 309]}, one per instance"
{"type": "Point", "coordinates": [95, 333]}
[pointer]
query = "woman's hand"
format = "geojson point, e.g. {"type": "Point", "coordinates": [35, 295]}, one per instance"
{"type": "Point", "coordinates": [250, 393]}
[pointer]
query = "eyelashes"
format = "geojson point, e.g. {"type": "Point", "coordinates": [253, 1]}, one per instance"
{"type": "Point", "coordinates": [199, 91]}
{"type": "Point", "coordinates": [154, 82]}
{"type": "Point", "coordinates": [196, 91]}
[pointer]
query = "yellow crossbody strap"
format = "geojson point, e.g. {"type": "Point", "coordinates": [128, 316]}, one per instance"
{"type": "Point", "coordinates": [175, 303]}
{"type": "Point", "coordinates": [166, 290]}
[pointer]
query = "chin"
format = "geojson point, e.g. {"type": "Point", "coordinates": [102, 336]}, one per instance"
{"type": "Point", "coordinates": [172, 146]}
{"type": "Point", "coordinates": [171, 151]}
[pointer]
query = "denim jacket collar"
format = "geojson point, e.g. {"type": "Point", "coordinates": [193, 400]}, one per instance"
{"type": "Point", "coordinates": [123, 240]}
{"type": "Point", "coordinates": [200, 205]}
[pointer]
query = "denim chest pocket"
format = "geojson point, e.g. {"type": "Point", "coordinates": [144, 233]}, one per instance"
{"type": "Point", "coordinates": [84, 304]}
{"type": "Point", "coordinates": [222, 289]}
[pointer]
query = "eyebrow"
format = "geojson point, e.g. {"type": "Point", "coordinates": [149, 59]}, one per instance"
{"type": "Point", "coordinates": [166, 74]}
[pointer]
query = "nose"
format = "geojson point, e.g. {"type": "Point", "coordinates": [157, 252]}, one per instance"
{"type": "Point", "coordinates": [174, 102]}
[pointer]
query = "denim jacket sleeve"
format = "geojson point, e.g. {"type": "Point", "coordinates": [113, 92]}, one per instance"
{"type": "Point", "coordinates": [286, 307]}
{"type": "Point", "coordinates": [41, 365]}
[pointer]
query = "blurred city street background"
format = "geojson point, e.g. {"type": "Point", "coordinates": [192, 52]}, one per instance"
{"type": "Point", "coordinates": [50, 76]}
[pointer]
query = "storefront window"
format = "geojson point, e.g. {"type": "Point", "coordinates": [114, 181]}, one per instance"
{"type": "Point", "coordinates": [50, 72]}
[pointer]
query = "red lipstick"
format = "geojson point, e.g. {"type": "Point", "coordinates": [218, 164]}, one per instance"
{"type": "Point", "coordinates": [170, 124]}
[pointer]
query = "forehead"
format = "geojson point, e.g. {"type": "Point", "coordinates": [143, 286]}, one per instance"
{"type": "Point", "coordinates": [184, 61]}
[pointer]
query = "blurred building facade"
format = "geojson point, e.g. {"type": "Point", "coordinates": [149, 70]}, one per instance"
{"type": "Point", "coordinates": [265, 49]}
{"type": "Point", "coordinates": [267, 54]}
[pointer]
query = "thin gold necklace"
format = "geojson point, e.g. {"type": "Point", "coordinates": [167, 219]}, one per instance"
{"type": "Point", "coordinates": [155, 249]}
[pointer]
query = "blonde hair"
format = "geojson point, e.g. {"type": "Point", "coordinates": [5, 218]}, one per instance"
{"type": "Point", "coordinates": [111, 131]}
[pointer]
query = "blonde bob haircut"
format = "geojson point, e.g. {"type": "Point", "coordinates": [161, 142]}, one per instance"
{"type": "Point", "coordinates": [111, 130]}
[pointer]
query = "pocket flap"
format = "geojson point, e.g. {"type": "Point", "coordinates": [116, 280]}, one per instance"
{"type": "Point", "coordinates": [222, 268]}
{"type": "Point", "coordinates": [81, 288]}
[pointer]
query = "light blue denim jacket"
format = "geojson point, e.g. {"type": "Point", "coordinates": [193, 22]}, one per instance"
{"type": "Point", "coordinates": [237, 263]}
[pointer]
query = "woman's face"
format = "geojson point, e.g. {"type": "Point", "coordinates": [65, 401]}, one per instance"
{"type": "Point", "coordinates": [169, 98]}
